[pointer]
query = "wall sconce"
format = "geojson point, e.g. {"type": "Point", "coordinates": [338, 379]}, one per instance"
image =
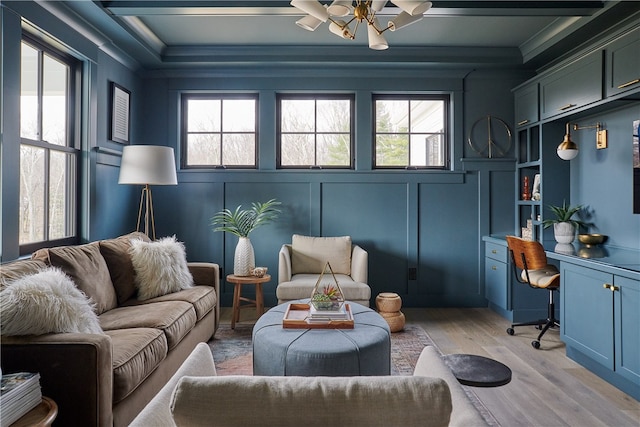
{"type": "Point", "coordinates": [568, 149]}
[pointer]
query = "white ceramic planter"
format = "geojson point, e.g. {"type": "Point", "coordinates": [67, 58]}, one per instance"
{"type": "Point", "coordinates": [244, 259]}
{"type": "Point", "coordinates": [564, 232]}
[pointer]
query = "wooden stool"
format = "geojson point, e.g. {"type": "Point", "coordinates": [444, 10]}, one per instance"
{"type": "Point", "coordinates": [258, 303]}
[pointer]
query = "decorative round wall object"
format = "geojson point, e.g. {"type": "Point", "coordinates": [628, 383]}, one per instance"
{"type": "Point", "coordinates": [490, 136]}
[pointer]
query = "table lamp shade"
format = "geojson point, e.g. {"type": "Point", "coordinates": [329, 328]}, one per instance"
{"type": "Point", "coordinates": [148, 164]}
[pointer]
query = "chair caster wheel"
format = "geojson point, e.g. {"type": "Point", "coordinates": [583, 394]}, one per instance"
{"type": "Point", "coordinates": [510, 331]}
{"type": "Point", "coordinates": [535, 344]}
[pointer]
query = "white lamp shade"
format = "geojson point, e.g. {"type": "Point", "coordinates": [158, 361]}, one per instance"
{"type": "Point", "coordinates": [339, 8]}
{"type": "Point", "coordinates": [402, 20]}
{"type": "Point", "coordinates": [309, 23]}
{"type": "Point", "coordinates": [413, 7]}
{"type": "Point", "coordinates": [312, 7]}
{"type": "Point", "coordinates": [148, 164]}
{"type": "Point", "coordinates": [377, 5]}
{"type": "Point", "coordinates": [567, 154]}
{"type": "Point", "coordinates": [376, 41]}
{"type": "Point", "coordinates": [340, 29]}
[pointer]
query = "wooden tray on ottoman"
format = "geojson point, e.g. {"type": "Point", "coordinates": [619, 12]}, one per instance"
{"type": "Point", "coordinates": [296, 318]}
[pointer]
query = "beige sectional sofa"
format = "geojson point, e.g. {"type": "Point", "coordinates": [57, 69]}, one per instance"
{"type": "Point", "coordinates": [195, 396]}
{"type": "Point", "coordinates": [104, 379]}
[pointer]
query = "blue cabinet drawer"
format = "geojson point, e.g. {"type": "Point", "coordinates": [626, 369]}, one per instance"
{"type": "Point", "coordinates": [495, 251]}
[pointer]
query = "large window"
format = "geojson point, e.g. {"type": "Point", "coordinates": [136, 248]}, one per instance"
{"type": "Point", "coordinates": [315, 131]}
{"type": "Point", "coordinates": [49, 148]}
{"type": "Point", "coordinates": [219, 131]}
{"type": "Point", "coordinates": [411, 131]}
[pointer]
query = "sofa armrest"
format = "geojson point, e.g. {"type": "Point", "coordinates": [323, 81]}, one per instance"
{"type": "Point", "coordinates": [359, 264]}
{"type": "Point", "coordinates": [464, 414]}
{"type": "Point", "coordinates": [207, 274]}
{"type": "Point", "coordinates": [158, 411]}
{"type": "Point", "coordinates": [76, 371]}
{"type": "Point", "coordinates": [284, 264]}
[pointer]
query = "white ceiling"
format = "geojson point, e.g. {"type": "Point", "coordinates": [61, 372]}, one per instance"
{"type": "Point", "coordinates": [172, 33]}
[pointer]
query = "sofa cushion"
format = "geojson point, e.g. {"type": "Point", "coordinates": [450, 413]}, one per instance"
{"type": "Point", "coordinates": [16, 269]}
{"type": "Point", "coordinates": [88, 270]}
{"type": "Point", "coordinates": [160, 266]}
{"type": "Point", "coordinates": [174, 318]}
{"type": "Point", "coordinates": [137, 352]}
{"type": "Point", "coordinates": [46, 302]}
{"type": "Point", "coordinates": [203, 298]}
{"type": "Point", "coordinates": [285, 401]}
{"type": "Point", "coordinates": [301, 286]}
{"type": "Point", "coordinates": [310, 254]}
{"type": "Point", "coordinates": [116, 255]}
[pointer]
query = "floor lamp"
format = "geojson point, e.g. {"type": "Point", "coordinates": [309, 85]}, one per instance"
{"type": "Point", "coordinates": [147, 165]}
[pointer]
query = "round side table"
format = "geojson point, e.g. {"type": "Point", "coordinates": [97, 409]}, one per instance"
{"type": "Point", "coordinates": [258, 303]}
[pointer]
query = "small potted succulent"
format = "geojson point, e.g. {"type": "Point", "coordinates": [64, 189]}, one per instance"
{"type": "Point", "coordinates": [564, 225]}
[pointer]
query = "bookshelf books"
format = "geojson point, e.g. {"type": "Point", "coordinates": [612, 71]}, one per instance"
{"type": "Point", "coordinates": [19, 393]}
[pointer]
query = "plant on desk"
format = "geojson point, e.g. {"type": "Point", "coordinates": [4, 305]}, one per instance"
{"type": "Point", "coordinates": [241, 222]}
{"type": "Point", "coordinates": [564, 225]}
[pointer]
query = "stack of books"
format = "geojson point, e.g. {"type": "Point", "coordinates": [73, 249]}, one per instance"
{"type": "Point", "coordinates": [324, 316]}
{"type": "Point", "coordinates": [19, 393]}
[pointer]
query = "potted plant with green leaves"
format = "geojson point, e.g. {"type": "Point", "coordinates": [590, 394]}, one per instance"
{"type": "Point", "coordinates": [564, 224]}
{"type": "Point", "coordinates": [241, 222]}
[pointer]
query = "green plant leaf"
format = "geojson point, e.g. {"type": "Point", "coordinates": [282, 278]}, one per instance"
{"type": "Point", "coordinates": [241, 222]}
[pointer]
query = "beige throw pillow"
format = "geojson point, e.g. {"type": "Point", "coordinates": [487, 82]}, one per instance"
{"type": "Point", "coordinates": [310, 254]}
{"type": "Point", "coordinates": [46, 302]}
{"type": "Point", "coordinates": [160, 267]}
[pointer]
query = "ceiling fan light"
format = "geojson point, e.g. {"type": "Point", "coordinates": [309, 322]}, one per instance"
{"type": "Point", "coordinates": [340, 29]}
{"type": "Point", "coordinates": [309, 23]}
{"type": "Point", "coordinates": [403, 20]}
{"type": "Point", "coordinates": [339, 8]}
{"type": "Point", "coordinates": [413, 7]}
{"type": "Point", "coordinates": [378, 5]}
{"type": "Point", "coordinates": [312, 7]}
{"type": "Point", "coordinates": [376, 40]}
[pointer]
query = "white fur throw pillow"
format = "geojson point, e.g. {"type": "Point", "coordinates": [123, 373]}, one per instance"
{"type": "Point", "coordinates": [160, 266]}
{"type": "Point", "coordinates": [46, 302]}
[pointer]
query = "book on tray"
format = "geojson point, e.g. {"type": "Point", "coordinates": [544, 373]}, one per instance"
{"type": "Point", "coordinates": [19, 393]}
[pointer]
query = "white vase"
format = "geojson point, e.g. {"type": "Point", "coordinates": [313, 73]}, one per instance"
{"type": "Point", "coordinates": [244, 259]}
{"type": "Point", "coordinates": [564, 232]}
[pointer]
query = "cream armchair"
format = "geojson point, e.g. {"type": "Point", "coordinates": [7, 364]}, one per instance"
{"type": "Point", "coordinates": [301, 262]}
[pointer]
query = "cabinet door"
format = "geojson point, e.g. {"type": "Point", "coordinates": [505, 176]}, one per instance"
{"type": "Point", "coordinates": [627, 322]}
{"type": "Point", "coordinates": [623, 64]}
{"type": "Point", "coordinates": [495, 282]}
{"type": "Point", "coordinates": [571, 87]}
{"type": "Point", "coordinates": [586, 322]}
{"type": "Point", "coordinates": [526, 105]}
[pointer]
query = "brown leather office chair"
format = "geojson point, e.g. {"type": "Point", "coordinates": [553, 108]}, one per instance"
{"type": "Point", "coordinates": [529, 258]}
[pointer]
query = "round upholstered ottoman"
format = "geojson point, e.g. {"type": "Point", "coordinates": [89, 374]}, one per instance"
{"type": "Point", "coordinates": [363, 350]}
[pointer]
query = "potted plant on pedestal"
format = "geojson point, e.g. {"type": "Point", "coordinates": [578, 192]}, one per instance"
{"type": "Point", "coordinates": [241, 222]}
{"type": "Point", "coordinates": [564, 225]}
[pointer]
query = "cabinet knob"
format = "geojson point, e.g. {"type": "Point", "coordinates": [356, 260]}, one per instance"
{"type": "Point", "coordinates": [523, 122]}
{"type": "Point", "coordinates": [493, 267]}
{"type": "Point", "coordinates": [612, 288]}
{"type": "Point", "coordinates": [493, 251]}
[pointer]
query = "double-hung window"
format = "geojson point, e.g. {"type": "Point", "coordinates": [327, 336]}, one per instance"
{"type": "Point", "coordinates": [219, 131]}
{"type": "Point", "coordinates": [410, 131]}
{"type": "Point", "coordinates": [49, 147]}
{"type": "Point", "coordinates": [315, 131]}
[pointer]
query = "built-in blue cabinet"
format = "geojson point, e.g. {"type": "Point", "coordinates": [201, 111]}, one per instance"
{"type": "Point", "coordinates": [600, 321]}
{"type": "Point", "coordinates": [526, 104]}
{"type": "Point", "coordinates": [573, 86]}
{"type": "Point", "coordinates": [623, 64]}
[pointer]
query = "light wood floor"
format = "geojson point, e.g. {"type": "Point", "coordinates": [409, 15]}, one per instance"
{"type": "Point", "coordinates": [547, 388]}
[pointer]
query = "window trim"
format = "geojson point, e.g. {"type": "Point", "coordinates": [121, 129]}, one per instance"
{"type": "Point", "coordinates": [184, 100]}
{"type": "Point", "coordinates": [446, 98]}
{"type": "Point", "coordinates": [315, 97]}
{"type": "Point", "coordinates": [72, 145]}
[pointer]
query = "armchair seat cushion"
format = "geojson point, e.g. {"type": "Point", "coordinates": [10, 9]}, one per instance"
{"type": "Point", "coordinates": [301, 286]}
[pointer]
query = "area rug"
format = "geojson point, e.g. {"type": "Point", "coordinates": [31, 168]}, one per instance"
{"type": "Point", "coordinates": [232, 353]}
